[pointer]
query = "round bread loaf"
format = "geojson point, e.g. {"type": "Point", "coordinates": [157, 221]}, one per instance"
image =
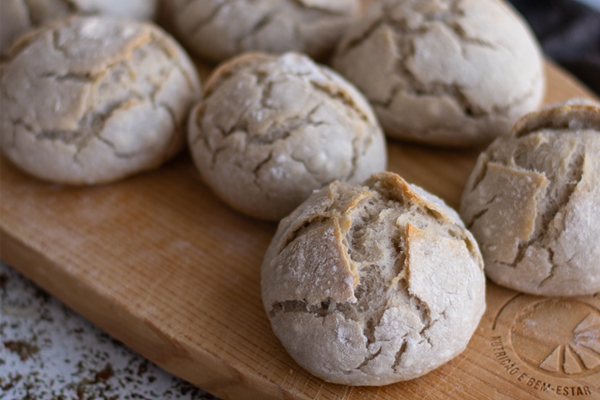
{"type": "Point", "coordinates": [217, 30]}
{"type": "Point", "coordinates": [533, 203]}
{"type": "Point", "coordinates": [444, 72]}
{"type": "Point", "coordinates": [272, 129]}
{"type": "Point", "coordinates": [89, 100]}
{"type": "Point", "coordinates": [373, 284]}
{"type": "Point", "coordinates": [20, 16]}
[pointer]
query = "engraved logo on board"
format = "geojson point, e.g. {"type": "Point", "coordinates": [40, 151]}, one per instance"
{"type": "Point", "coordinates": [548, 346]}
{"type": "Point", "coordinates": [570, 349]}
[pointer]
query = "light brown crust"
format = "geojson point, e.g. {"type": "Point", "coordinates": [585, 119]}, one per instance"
{"type": "Point", "coordinates": [404, 289]}
{"type": "Point", "coordinates": [564, 116]}
{"type": "Point", "coordinates": [402, 191]}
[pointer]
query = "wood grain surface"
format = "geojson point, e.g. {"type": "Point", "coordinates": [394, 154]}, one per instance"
{"type": "Point", "coordinates": [161, 264]}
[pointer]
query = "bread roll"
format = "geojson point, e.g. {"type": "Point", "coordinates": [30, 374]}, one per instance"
{"type": "Point", "coordinates": [533, 203]}
{"type": "Point", "coordinates": [444, 72]}
{"type": "Point", "coordinates": [90, 100]}
{"type": "Point", "coordinates": [373, 283]}
{"type": "Point", "coordinates": [18, 17]}
{"type": "Point", "coordinates": [217, 30]}
{"type": "Point", "coordinates": [270, 130]}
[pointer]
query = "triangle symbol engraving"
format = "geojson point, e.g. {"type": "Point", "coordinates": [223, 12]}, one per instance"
{"type": "Point", "coordinates": [590, 359]}
{"type": "Point", "coordinates": [571, 365]}
{"type": "Point", "coordinates": [551, 363]}
{"type": "Point", "coordinates": [590, 344]}
{"type": "Point", "coordinates": [587, 323]}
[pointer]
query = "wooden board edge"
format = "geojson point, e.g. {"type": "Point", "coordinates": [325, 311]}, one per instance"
{"type": "Point", "coordinates": [554, 70]}
{"type": "Point", "coordinates": [210, 373]}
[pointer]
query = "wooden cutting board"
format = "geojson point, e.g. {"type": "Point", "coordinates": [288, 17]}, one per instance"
{"type": "Point", "coordinates": [158, 262]}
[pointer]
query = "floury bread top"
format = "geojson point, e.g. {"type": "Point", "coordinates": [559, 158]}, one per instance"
{"type": "Point", "coordinates": [444, 72]}
{"type": "Point", "coordinates": [17, 17]}
{"type": "Point", "coordinates": [271, 129]}
{"type": "Point", "coordinates": [533, 202]}
{"type": "Point", "coordinates": [217, 30]}
{"type": "Point", "coordinates": [373, 283]}
{"type": "Point", "coordinates": [89, 100]}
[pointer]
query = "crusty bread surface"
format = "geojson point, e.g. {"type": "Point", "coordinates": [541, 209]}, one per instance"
{"type": "Point", "coordinates": [18, 17]}
{"type": "Point", "coordinates": [444, 72]}
{"type": "Point", "coordinates": [89, 100]}
{"type": "Point", "coordinates": [218, 30]}
{"type": "Point", "coordinates": [271, 129]}
{"type": "Point", "coordinates": [533, 202]}
{"type": "Point", "coordinates": [373, 283]}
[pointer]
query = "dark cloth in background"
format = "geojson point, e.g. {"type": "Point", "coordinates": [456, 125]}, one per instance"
{"type": "Point", "coordinates": [569, 33]}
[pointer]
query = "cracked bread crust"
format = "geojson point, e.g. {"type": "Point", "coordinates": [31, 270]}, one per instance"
{"type": "Point", "coordinates": [444, 72]}
{"type": "Point", "coordinates": [90, 100]}
{"type": "Point", "coordinates": [20, 16]}
{"type": "Point", "coordinates": [273, 129]}
{"type": "Point", "coordinates": [533, 203]}
{"type": "Point", "coordinates": [217, 30]}
{"type": "Point", "coordinates": [373, 284]}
